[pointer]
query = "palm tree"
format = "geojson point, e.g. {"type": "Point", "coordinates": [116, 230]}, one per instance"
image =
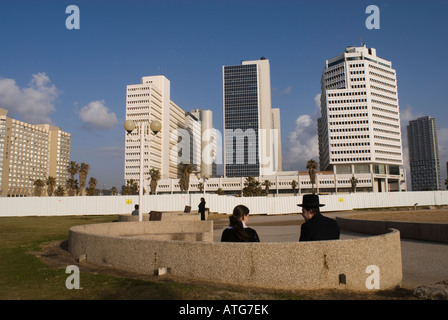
{"type": "Point", "coordinates": [186, 169]}
{"type": "Point", "coordinates": [91, 190]}
{"type": "Point", "coordinates": [131, 188]}
{"type": "Point", "coordinates": [59, 191]}
{"type": "Point", "coordinates": [73, 169]}
{"type": "Point", "coordinates": [155, 176]}
{"type": "Point", "coordinates": [113, 191]}
{"type": "Point", "coordinates": [72, 184]}
{"type": "Point", "coordinates": [311, 165]}
{"type": "Point", "coordinates": [39, 184]}
{"type": "Point", "coordinates": [266, 184]}
{"type": "Point", "coordinates": [83, 172]}
{"type": "Point", "coordinates": [294, 186]}
{"type": "Point", "coordinates": [51, 184]}
{"type": "Point", "coordinates": [252, 187]}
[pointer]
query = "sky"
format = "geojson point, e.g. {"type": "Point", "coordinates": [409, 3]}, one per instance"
{"type": "Point", "coordinates": [75, 78]}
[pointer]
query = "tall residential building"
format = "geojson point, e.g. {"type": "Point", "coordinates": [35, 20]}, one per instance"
{"type": "Point", "coordinates": [30, 152]}
{"type": "Point", "coordinates": [148, 101]}
{"type": "Point", "coordinates": [251, 127]}
{"type": "Point", "coordinates": [359, 129]}
{"type": "Point", "coordinates": [424, 154]}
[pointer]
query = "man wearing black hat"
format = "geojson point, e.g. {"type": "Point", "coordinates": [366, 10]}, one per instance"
{"type": "Point", "coordinates": [316, 226]}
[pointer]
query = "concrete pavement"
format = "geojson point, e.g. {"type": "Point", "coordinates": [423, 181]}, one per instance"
{"type": "Point", "coordinates": [423, 262]}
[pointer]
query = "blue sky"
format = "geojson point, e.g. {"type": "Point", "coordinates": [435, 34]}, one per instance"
{"type": "Point", "coordinates": [76, 79]}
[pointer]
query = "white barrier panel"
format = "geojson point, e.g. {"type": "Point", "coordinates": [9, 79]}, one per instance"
{"type": "Point", "coordinates": [99, 205]}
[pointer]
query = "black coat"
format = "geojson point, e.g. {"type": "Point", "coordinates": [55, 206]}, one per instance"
{"type": "Point", "coordinates": [319, 228]}
{"type": "Point", "coordinates": [228, 235]}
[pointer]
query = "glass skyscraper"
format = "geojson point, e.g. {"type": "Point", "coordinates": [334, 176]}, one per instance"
{"type": "Point", "coordinates": [424, 154]}
{"type": "Point", "coordinates": [241, 120]}
{"type": "Point", "coordinates": [251, 127]}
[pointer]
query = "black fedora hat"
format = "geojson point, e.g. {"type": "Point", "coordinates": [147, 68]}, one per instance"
{"type": "Point", "coordinates": [310, 201]}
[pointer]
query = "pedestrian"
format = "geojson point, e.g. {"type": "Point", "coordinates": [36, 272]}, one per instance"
{"type": "Point", "coordinates": [238, 231]}
{"type": "Point", "coordinates": [316, 227]}
{"type": "Point", "coordinates": [201, 208]}
{"type": "Point", "coordinates": [135, 212]}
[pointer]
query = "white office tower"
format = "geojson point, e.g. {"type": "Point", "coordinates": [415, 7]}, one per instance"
{"type": "Point", "coordinates": [251, 142]}
{"type": "Point", "coordinates": [149, 101]}
{"type": "Point", "coordinates": [31, 152]}
{"type": "Point", "coordinates": [359, 130]}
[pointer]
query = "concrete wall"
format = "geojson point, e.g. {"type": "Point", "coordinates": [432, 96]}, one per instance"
{"type": "Point", "coordinates": [410, 230]}
{"type": "Point", "coordinates": [337, 264]}
{"type": "Point", "coordinates": [47, 206]}
{"type": "Point", "coordinates": [166, 216]}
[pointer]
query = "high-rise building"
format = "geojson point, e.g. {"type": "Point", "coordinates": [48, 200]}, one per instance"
{"type": "Point", "coordinates": [359, 129]}
{"type": "Point", "coordinates": [424, 154]}
{"type": "Point", "coordinates": [31, 152]}
{"type": "Point", "coordinates": [148, 101]}
{"type": "Point", "coordinates": [251, 127]}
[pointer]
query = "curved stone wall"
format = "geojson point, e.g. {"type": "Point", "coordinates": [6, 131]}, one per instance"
{"type": "Point", "coordinates": [425, 231]}
{"type": "Point", "coordinates": [360, 264]}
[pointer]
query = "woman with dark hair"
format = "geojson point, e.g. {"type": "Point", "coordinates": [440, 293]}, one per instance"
{"type": "Point", "coordinates": [238, 231]}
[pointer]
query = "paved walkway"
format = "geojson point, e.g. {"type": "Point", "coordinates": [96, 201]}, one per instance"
{"type": "Point", "coordinates": [423, 262]}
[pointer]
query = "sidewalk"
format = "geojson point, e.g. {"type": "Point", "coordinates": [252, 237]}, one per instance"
{"type": "Point", "coordinates": [423, 262]}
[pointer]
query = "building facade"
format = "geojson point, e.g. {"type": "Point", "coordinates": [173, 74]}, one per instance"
{"type": "Point", "coordinates": [177, 142]}
{"type": "Point", "coordinates": [31, 152]}
{"type": "Point", "coordinates": [424, 154]}
{"type": "Point", "coordinates": [251, 128]}
{"type": "Point", "coordinates": [359, 129]}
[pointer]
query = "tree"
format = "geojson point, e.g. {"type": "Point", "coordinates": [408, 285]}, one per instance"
{"type": "Point", "coordinates": [220, 192]}
{"type": "Point", "coordinates": [72, 183]}
{"type": "Point", "coordinates": [294, 186]}
{"type": "Point", "coordinates": [51, 184]}
{"type": "Point", "coordinates": [72, 186]}
{"type": "Point", "coordinates": [83, 172]}
{"type": "Point", "coordinates": [131, 188]}
{"type": "Point", "coordinates": [155, 177]}
{"type": "Point", "coordinates": [252, 187]}
{"type": "Point", "coordinates": [113, 191]}
{"type": "Point", "coordinates": [73, 169]}
{"type": "Point", "coordinates": [266, 184]}
{"type": "Point", "coordinates": [186, 169]}
{"type": "Point", "coordinates": [91, 190]}
{"type": "Point", "coordinates": [39, 185]}
{"type": "Point", "coordinates": [59, 191]}
{"type": "Point", "coordinates": [311, 165]}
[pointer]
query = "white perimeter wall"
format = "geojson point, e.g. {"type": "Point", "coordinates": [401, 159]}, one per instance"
{"type": "Point", "coordinates": [99, 205]}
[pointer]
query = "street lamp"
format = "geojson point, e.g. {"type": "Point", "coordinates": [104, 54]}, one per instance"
{"type": "Point", "coordinates": [204, 180]}
{"type": "Point", "coordinates": [155, 127]}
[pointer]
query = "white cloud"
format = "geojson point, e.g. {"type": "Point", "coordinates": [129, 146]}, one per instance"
{"type": "Point", "coordinates": [302, 143]}
{"type": "Point", "coordinates": [34, 103]}
{"type": "Point", "coordinates": [97, 115]}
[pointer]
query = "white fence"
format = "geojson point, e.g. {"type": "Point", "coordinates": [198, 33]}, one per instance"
{"type": "Point", "coordinates": [100, 205]}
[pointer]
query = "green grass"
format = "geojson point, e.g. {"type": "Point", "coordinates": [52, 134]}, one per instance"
{"type": "Point", "coordinates": [24, 276]}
